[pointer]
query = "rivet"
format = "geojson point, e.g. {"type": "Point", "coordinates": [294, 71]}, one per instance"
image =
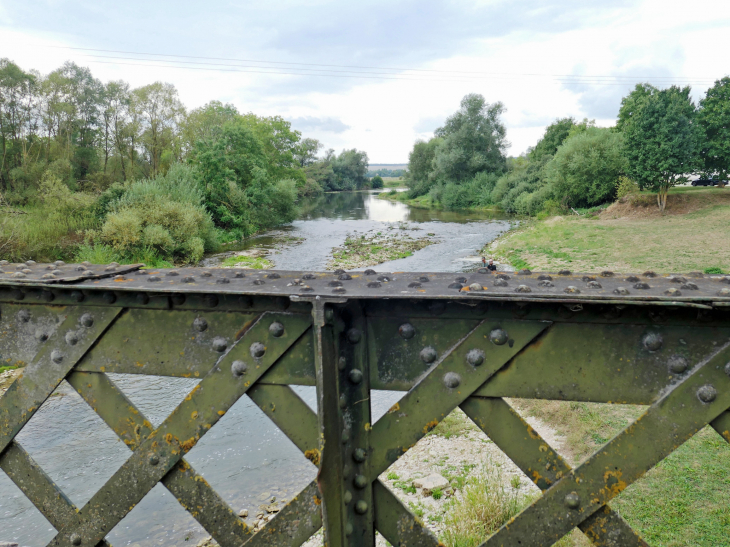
{"type": "Point", "coordinates": [56, 356]}
{"type": "Point", "coordinates": [238, 368]}
{"type": "Point", "coordinates": [359, 455]}
{"type": "Point", "coordinates": [621, 290]}
{"type": "Point", "coordinates": [200, 324]}
{"type": "Point", "coordinates": [361, 507]}
{"type": "Point", "coordinates": [347, 498]}
{"type": "Point", "coordinates": [71, 338]}
{"type": "Point", "coordinates": [206, 273]}
{"type": "Point", "coordinates": [154, 279]}
{"type": "Point", "coordinates": [24, 316]}
{"type": "Point", "coordinates": [354, 336]}
{"type": "Point", "coordinates": [188, 279]}
{"type": "Point", "coordinates": [210, 300]}
{"type": "Point", "coordinates": [344, 277]}
{"type": "Point", "coordinates": [75, 539]}
{"type": "Point", "coordinates": [653, 341]}
{"type": "Point", "coordinates": [342, 363]}
{"type": "Point", "coordinates": [345, 440]}
{"type": "Point", "coordinates": [154, 459]}
{"type": "Point", "coordinates": [343, 401]}
{"type": "Point", "coordinates": [677, 364]}
{"type": "Point", "coordinates": [47, 296]}
{"type": "Point", "coordinates": [282, 302]}
{"type": "Point", "coordinates": [498, 337]}
{"type": "Point", "coordinates": [178, 299]}
{"type": "Point", "coordinates": [455, 286]}
{"type": "Point", "coordinates": [257, 350]}
{"type": "Point", "coordinates": [109, 297]}
{"type": "Point", "coordinates": [360, 481]}
{"type": "Point", "coordinates": [475, 357]}
{"type": "Point", "coordinates": [77, 296]}
{"type": "Point", "coordinates": [594, 285]}
{"type": "Point", "coordinates": [476, 287]}
{"type": "Point", "coordinates": [222, 281]}
{"type": "Point", "coordinates": [219, 344]}
{"type": "Point", "coordinates": [570, 289]}
{"type": "Point", "coordinates": [414, 285]}
{"type": "Point", "coordinates": [245, 301]}
{"type": "Point", "coordinates": [329, 314]}
{"type": "Point", "coordinates": [355, 376]}
{"type": "Point", "coordinates": [348, 529]}
{"type": "Point", "coordinates": [428, 355]}
{"type": "Point", "coordinates": [142, 298]}
{"type": "Point", "coordinates": [172, 273]}
{"type": "Point", "coordinates": [276, 329]}
{"type": "Point", "coordinates": [707, 393]}
{"type": "Point", "coordinates": [41, 335]}
{"type": "Point", "coordinates": [572, 501]}
{"type": "Point", "coordinates": [373, 285]}
{"type": "Point", "coordinates": [18, 294]}
{"type": "Point", "coordinates": [407, 331]}
{"type": "Point", "coordinates": [452, 380]}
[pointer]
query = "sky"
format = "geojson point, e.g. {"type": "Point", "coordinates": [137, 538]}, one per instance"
{"type": "Point", "coordinates": [380, 75]}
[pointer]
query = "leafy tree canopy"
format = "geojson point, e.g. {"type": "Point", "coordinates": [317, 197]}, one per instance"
{"type": "Point", "coordinates": [555, 134]}
{"type": "Point", "coordinates": [714, 121]}
{"type": "Point", "coordinates": [474, 140]}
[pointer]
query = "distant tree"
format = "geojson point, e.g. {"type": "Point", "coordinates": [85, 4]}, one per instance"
{"type": "Point", "coordinates": [158, 111]}
{"type": "Point", "coordinates": [714, 120]}
{"type": "Point", "coordinates": [555, 134]}
{"type": "Point", "coordinates": [206, 122]}
{"type": "Point", "coordinates": [661, 140]}
{"type": "Point", "coordinates": [421, 164]}
{"type": "Point", "coordinates": [632, 102]}
{"type": "Point", "coordinates": [474, 140]}
{"type": "Point", "coordinates": [586, 168]}
{"type": "Point", "coordinates": [350, 168]}
{"type": "Point", "coordinates": [306, 152]}
{"type": "Point", "coordinates": [376, 181]}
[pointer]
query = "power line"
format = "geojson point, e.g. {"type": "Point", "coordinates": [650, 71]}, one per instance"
{"type": "Point", "coordinates": [326, 71]}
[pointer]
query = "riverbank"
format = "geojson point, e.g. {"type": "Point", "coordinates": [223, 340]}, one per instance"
{"type": "Point", "coordinates": [426, 202]}
{"type": "Point", "coordinates": [629, 236]}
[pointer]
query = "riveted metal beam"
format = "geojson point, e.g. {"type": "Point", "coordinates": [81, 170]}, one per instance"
{"type": "Point", "coordinates": [464, 368]}
{"type": "Point", "coordinates": [58, 355]}
{"type": "Point", "coordinates": [543, 465]}
{"type": "Point", "coordinates": [699, 399]}
{"type": "Point", "coordinates": [179, 433]}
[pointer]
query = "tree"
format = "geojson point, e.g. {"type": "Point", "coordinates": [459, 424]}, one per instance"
{"type": "Point", "coordinates": [376, 181]}
{"type": "Point", "coordinates": [631, 104]}
{"type": "Point", "coordinates": [714, 120]}
{"type": "Point", "coordinates": [206, 122]}
{"type": "Point", "coordinates": [421, 164]}
{"type": "Point", "coordinates": [555, 134]}
{"type": "Point", "coordinates": [159, 112]}
{"type": "Point", "coordinates": [586, 167]}
{"type": "Point", "coordinates": [474, 140]}
{"type": "Point", "coordinates": [350, 168]}
{"type": "Point", "coordinates": [280, 143]}
{"type": "Point", "coordinates": [18, 90]}
{"type": "Point", "coordinates": [661, 141]}
{"type": "Point", "coordinates": [306, 152]}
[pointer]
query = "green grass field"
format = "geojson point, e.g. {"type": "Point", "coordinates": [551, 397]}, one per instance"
{"type": "Point", "coordinates": [692, 235]}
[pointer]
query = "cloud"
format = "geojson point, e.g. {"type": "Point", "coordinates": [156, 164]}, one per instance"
{"type": "Point", "coordinates": [311, 123]}
{"type": "Point", "coordinates": [429, 124]}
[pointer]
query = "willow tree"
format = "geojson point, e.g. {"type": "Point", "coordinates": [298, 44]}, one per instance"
{"type": "Point", "coordinates": [661, 141]}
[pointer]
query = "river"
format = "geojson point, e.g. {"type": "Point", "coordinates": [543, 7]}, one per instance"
{"type": "Point", "coordinates": [244, 457]}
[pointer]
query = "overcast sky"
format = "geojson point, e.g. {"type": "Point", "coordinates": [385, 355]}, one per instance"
{"type": "Point", "coordinates": [395, 70]}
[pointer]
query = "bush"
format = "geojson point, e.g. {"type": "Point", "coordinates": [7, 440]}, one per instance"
{"type": "Point", "coordinates": [626, 187]}
{"type": "Point", "coordinates": [376, 181]}
{"type": "Point", "coordinates": [161, 218]}
{"type": "Point", "coordinates": [585, 170]}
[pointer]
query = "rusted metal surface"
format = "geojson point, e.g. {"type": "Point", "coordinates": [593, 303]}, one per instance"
{"type": "Point", "coordinates": [449, 340]}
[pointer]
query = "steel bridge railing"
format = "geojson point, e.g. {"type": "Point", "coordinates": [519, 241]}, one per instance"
{"type": "Point", "coordinates": [448, 340]}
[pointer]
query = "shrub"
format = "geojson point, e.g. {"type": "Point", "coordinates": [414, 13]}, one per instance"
{"type": "Point", "coordinates": [376, 181]}
{"type": "Point", "coordinates": [161, 218]}
{"type": "Point", "coordinates": [586, 167]}
{"type": "Point", "coordinates": [626, 187]}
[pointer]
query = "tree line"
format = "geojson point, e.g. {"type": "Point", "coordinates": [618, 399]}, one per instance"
{"type": "Point", "coordinates": [73, 145]}
{"type": "Point", "coordinates": [661, 136]}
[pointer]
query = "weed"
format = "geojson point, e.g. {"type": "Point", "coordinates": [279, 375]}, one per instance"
{"type": "Point", "coordinates": [515, 482]}
{"type": "Point", "coordinates": [714, 270]}
{"type": "Point", "coordinates": [417, 509]}
{"type": "Point", "coordinates": [437, 493]}
{"type": "Point", "coordinates": [392, 476]}
{"type": "Point", "coordinates": [250, 262]}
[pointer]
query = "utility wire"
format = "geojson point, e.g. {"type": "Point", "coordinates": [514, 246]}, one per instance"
{"type": "Point", "coordinates": [363, 72]}
{"type": "Point", "coordinates": [589, 76]}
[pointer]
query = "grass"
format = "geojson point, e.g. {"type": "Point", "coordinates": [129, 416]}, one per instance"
{"type": "Point", "coordinates": [629, 238]}
{"type": "Point", "coordinates": [684, 500]}
{"type": "Point", "coordinates": [7, 367]}
{"type": "Point", "coordinates": [250, 262]}
{"type": "Point", "coordinates": [454, 425]}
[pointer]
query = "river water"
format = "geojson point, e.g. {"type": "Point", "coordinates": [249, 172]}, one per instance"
{"type": "Point", "coordinates": [246, 459]}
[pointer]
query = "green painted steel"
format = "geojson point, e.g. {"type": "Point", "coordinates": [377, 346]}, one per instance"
{"type": "Point", "coordinates": [256, 334]}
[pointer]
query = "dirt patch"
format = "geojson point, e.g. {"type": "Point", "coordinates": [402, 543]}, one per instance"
{"type": "Point", "coordinates": [7, 378]}
{"type": "Point", "coordinates": [644, 206]}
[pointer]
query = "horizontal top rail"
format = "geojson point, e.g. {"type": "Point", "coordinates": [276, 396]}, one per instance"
{"type": "Point", "coordinates": [693, 288]}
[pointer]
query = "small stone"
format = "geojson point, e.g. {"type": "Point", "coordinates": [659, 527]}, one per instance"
{"type": "Point", "coordinates": [430, 483]}
{"type": "Point", "coordinates": [243, 513]}
{"type": "Point", "coordinates": [475, 287]}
